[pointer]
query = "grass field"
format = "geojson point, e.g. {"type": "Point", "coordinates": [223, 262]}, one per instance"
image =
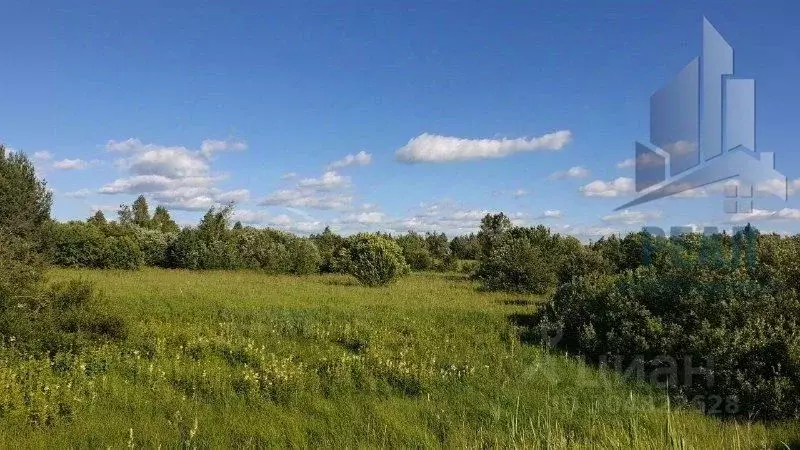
{"type": "Point", "coordinates": [219, 359]}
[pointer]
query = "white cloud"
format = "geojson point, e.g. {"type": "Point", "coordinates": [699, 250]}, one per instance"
{"type": "Point", "coordinates": [80, 193]}
{"type": "Point", "coordinates": [550, 214]}
{"type": "Point", "coordinates": [289, 176]}
{"type": "Point", "coordinates": [616, 188]}
{"type": "Point", "coordinates": [361, 158]}
{"type": "Point", "coordinates": [365, 218]}
{"type": "Point", "coordinates": [43, 156]}
{"type": "Point", "coordinates": [761, 214]}
{"type": "Point", "coordinates": [173, 162]}
{"type": "Point", "coordinates": [303, 198]}
{"type": "Point", "coordinates": [629, 217]}
{"type": "Point", "coordinates": [435, 148]}
{"type": "Point", "coordinates": [209, 147]}
{"type": "Point", "coordinates": [71, 164]}
{"type": "Point", "coordinates": [330, 180]}
{"type": "Point", "coordinates": [626, 164]}
{"type": "Point", "coordinates": [176, 177]}
{"type": "Point", "coordinates": [520, 193]}
{"type": "Point", "coordinates": [573, 172]}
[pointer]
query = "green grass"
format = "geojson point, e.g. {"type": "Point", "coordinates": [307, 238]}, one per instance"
{"type": "Point", "coordinates": [220, 359]}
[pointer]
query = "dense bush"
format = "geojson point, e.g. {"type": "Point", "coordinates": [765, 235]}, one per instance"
{"type": "Point", "coordinates": [304, 257]}
{"type": "Point", "coordinates": [694, 303]}
{"type": "Point", "coordinates": [415, 251]}
{"type": "Point", "coordinates": [373, 260]}
{"type": "Point", "coordinates": [329, 245]}
{"type": "Point", "coordinates": [518, 265]}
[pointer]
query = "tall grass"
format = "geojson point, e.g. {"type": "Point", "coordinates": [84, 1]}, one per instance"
{"type": "Point", "coordinates": [219, 359]}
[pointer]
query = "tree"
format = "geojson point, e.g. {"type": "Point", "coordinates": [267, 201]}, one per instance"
{"type": "Point", "coordinates": [24, 199]}
{"type": "Point", "coordinates": [141, 212]}
{"type": "Point", "coordinates": [415, 251]}
{"type": "Point", "coordinates": [24, 210]}
{"type": "Point", "coordinates": [98, 219]}
{"type": "Point", "coordinates": [124, 215]}
{"type": "Point", "coordinates": [162, 221]}
{"type": "Point", "coordinates": [492, 228]}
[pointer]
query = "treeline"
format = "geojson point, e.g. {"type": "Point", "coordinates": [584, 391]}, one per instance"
{"type": "Point", "coordinates": [715, 319]}
{"type": "Point", "coordinates": [137, 238]}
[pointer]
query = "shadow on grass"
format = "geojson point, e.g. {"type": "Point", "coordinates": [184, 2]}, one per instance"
{"type": "Point", "coordinates": [527, 324]}
{"type": "Point", "coordinates": [519, 302]}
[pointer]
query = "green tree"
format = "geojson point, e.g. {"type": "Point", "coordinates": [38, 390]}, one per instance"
{"type": "Point", "coordinates": [162, 221]}
{"type": "Point", "coordinates": [98, 219]}
{"type": "Point", "coordinates": [124, 215]}
{"type": "Point", "coordinates": [493, 226]}
{"type": "Point", "coordinates": [24, 210]}
{"type": "Point", "coordinates": [141, 212]}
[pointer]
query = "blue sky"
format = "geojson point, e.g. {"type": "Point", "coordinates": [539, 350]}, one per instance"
{"type": "Point", "coordinates": [447, 110]}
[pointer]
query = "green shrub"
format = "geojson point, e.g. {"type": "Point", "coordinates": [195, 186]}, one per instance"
{"type": "Point", "coordinates": [122, 252]}
{"type": "Point", "coordinates": [77, 244]}
{"type": "Point", "coordinates": [415, 251]}
{"type": "Point", "coordinates": [304, 257]}
{"type": "Point", "coordinates": [742, 337]}
{"type": "Point", "coordinates": [374, 260]}
{"type": "Point", "coordinates": [516, 264]}
{"type": "Point", "coordinates": [154, 245]}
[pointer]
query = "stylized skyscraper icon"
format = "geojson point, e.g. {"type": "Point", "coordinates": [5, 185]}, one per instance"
{"type": "Point", "coordinates": [702, 125]}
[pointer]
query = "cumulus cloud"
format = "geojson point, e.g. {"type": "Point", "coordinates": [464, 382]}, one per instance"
{"type": "Point", "coordinates": [80, 193]}
{"type": "Point", "coordinates": [209, 147]}
{"type": "Point", "coordinates": [438, 149]}
{"type": "Point", "coordinates": [616, 188]}
{"type": "Point", "coordinates": [175, 176]}
{"type": "Point", "coordinates": [330, 180]}
{"type": "Point", "coordinates": [361, 158]}
{"type": "Point", "coordinates": [520, 193]}
{"type": "Point", "coordinates": [629, 217]}
{"type": "Point", "coordinates": [550, 214]}
{"type": "Point", "coordinates": [289, 176]}
{"type": "Point", "coordinates": [626, 164]}
{"type": "Point", "coordinates": [761, 214]}
{"type": "Point", "coordinates": [71, 164]}
{"type": "Point", "coordinates": [43, 156]}
{"type": "Point", "coordinates": [305, 198]}
{"type": "Point", "coordinates": [572, 172]}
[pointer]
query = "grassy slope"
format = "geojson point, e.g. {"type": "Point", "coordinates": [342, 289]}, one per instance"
{"type": "Point", "coordinates": [231, 359]}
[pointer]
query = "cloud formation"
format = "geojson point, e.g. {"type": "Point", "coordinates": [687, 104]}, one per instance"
{"type": "Point", "coordinates": [615, 188]}
{"type": "Point", "coordinates": [71, 164]}
{"type": "Point", "coordinates": [572, 172]}
{"type": "Point", "coordinates": [439, 149]}
{"type": "Point", "coordinates": [361, 158]}
{"type": "Point", "coordinates": [175, 176]}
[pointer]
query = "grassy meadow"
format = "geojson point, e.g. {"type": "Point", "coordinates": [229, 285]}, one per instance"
{"type": "Point", "coordinates": [221, 359]}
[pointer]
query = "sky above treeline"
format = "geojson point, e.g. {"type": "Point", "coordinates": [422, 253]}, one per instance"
{"type": "Point", "coordinates": [392, 116]}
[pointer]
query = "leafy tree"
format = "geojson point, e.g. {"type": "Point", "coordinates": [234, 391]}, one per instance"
{"type": "Point", "coordinates": [141, 212]}
{"type": "Point", "coordinates": [465, 247]}
{"type": "Point", "coordinates": [124, 215]}
{"type": "Point", "coordinates": [492, 228]}
{"type": "Point", "coordinates": [329, 245]}
{"type": "Point", "coordinates": [24, 211]}
{"type": "Point", "coordinates": [162, 221]}
{"type": "Point", "coordinates": [415, 251]}
{"type": "Point", "coordinates": [98, 219]}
